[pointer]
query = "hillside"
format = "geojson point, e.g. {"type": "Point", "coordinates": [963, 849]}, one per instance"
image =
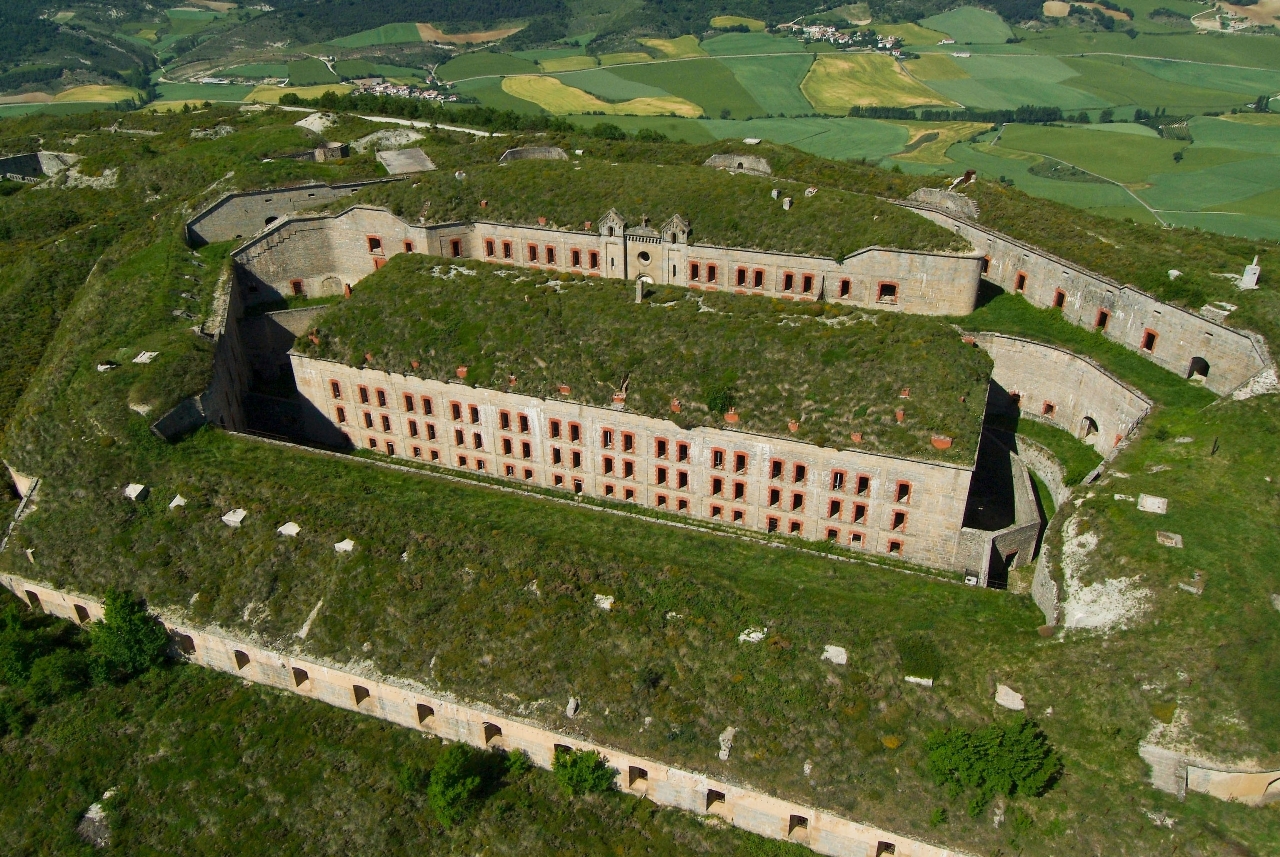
{"type": "Point", "coordinates": [833, 369]}
{"type": "Point", "coordinates": [440, 587]}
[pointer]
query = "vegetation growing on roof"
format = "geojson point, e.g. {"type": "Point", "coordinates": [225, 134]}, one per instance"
{"type": "Point", "coordinates": [836, 370]}
{"type": "Point", "coordinates": [725, 209]}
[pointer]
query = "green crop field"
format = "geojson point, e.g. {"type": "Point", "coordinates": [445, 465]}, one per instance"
{"type": "Point", "coordinates": [608, 85]}
{"type": "Point", "coordinates": [489, 92]}
{"type": "Point", "coordinates": [388, 34]}
{"type": "Point", "coordinates": [210, 92]}
{"type": "Point", "coordinates": [912, 35]}
{"type": "Point", "coordinates": [733, 44]}
{"type": "Point", "coordinates": [310, 72]}
{"type": "Point", "coordinates": [484, 64]}
{"type": "Point", "coordinates": [1121, 81]}
{"type": "Point", "coordinates": [1229, 134]}
{"type": "Point", "coordinates": [1243, 81]}
{"type": "Point", "coordinates": [774, 82]}
{"type": "Point", "coordinates": [970, 25]}
{"type": "Point", "coordinates": [1007, 82]}
{"type": "Point", "coordinates": [259, 70]}
{"type": "Point", "coordinates": [841, 139]}
{"type": "Point", "coordinates": [683, 130]}
{"type": "Point", "coordinates": [704, 82]}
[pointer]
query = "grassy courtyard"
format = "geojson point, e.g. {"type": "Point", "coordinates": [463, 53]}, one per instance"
{"type": "Point", "coordinates": [712, 352]}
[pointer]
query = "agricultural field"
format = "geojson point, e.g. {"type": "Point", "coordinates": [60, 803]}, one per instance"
{"type": "Point", "coordinates": [98, 94]}
{"type": "Point", "coordinates": [837, 82]}
{"type": "Point", "coordinates": [554, 96]}
{"type": "Point", "coordinates": [685, 46]}
{"type": "Point", "coordinates": [388, 34]}
{"type": "Point", "coordinates": [310, 72]}
{"type": "Point", "coordinates": [259, 70]}
{"type": "Point", "coordinates": [930, 141]}
{"type": "Point", "coordinates": [484, 64]}
{"type": "Point", "coordinates": [272, 94]}
{"type": "Point", "coordinates": [969, 25]}
{"type": "Point", "coordinates": [721, 22]}
{"type": "Point", "coordinates": [705, 82]}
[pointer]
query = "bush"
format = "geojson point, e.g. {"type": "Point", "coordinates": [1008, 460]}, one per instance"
{"type": "Point", "coordinates": [128, 640]}
{"type": "Point", "coordinates": [17, 649]}
{"type": "Point", "coordinates": [583, 772]}
{"type": "Point", "coordinates": [64, 672]}
{"type": "Point", "coordinates": [455, 785]}
{"type": "Point", "coordinates": [996, 760]}
{"type": "Point", "coordinates": [412, 778]}
{"type": "Point", "coordinates": [518, 764]}
{"type": "Point", "coordinates": [920, 656]}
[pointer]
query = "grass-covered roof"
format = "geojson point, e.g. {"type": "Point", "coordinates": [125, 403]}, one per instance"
{"type": "Point", "coordinates": [836, 370]}
{"type": "Point", "coordinates": [725, 209]}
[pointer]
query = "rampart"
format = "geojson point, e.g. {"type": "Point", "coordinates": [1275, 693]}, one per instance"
{"type": "Point", "coordinates": [1178, 772]}
{"type": "Point", "coordinates": [1174, 338]}
{"type": "Point", "coordinates": [412, 706]}
{"type": "Point", "coordinates": [244, 213]}
{"type": "Point", "coordinates": [325, 254]}
{"type": "Point", "coordinates": [903, 507]}
{"type": "Point", "coordinates": [1053, 385]}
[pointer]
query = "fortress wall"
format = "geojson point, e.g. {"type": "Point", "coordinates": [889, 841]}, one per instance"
{"type": "Point", "coordinates": [934, 509]}
{"type": "Point", "coordinates": [923, 283]}
{"type": "Point", "coordinates": [1232, 356]}
{"type": "Point", "coordinates": [413, 706]}
{"type": "Point", "coordinates": [244, 214]}
{"type": "Point", "coordinates": [1076, 389]}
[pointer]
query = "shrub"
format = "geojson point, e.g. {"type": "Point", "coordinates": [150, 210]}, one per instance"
{"type": "Point", "coordinates": [412, 778]}
{"type": "Point", "coordinates": [455, 785]}
{"type": "Point", "coordinates": [128, 640]}
{"type": "Point", "coordinates": [518, 764]}
{"type": "Point", "coordinates": [920, 656]}
{"type": "Point", "coordinates": [583, 772]}
{"type": "Point", "coordinates": [61, 673]}
{"type": "Point", "coordinates": [1001, 759]}
{"type": "Point", "coordinates": [17, 650]}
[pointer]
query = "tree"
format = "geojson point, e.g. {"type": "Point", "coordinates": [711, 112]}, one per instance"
{"type": "Point", "coordinates": [583, 772]}
{"type": "Point", "coordinates": [454, 786]}
{"type": "Point", "coordinates": [128, 640]}
{"type": "Point", "coordinates": [1001, 759]}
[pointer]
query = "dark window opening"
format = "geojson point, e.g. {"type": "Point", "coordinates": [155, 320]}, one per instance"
{"type": "Point", "coordinates": [300, 677]}
{"type": "Point", "coordinates": [242, 659]}
{"type": "Point", "coordinates": [887, 293]}
{"type": "Point", "coordinates": [425, 713]}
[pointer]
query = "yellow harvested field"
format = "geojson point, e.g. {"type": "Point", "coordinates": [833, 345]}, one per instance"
{"type": "Point", "coordinates": [1058, 9]}
{"type": "Point", "coordinates": [935, 67]}
{"type": "Point", "coordinates": [148, 35]}
{"type": "Point", "coordinates": [1264, 119]}
{"type": "Point", "coordinates": [567, 64]}
{"type": "Point", "coordinates": [929, 141]}
{"type": "Point", "coordinates": [215, 5]}
{"type": "Point", "coordinates": [98, 94]}
{"type": "Point", "coordinates": [619, 59]}
{"type": "Point", "coordinates": [721, 22]}
{"type": "Point", "coordinates": [173, 106]}
{"type": "Point", "coordinates": [27, 98]}
{"type": "Point", "coordinates": [837, 82]}
{"type": "Point", "coordinates": [271, 94]}
{"type": "Point", "coordinates": [431, 34]}
{"type": "Point", "coordinates": [685, 46]}
{"type": "Point", "coordinates": [1263, 13]}
{"type": "Point", "coordinates": [552, 95]}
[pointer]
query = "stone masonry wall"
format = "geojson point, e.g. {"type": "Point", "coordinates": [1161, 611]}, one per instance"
{"type": "Point", "coordinates": [325, 253]}
{"type": "Point", "coordinates": [1123, 313]}
{"type": "Point", "coordinates": [1071, 392]}
{"type": "Point", "coordinates": [412, 706]}
{"type": "Point", "coordinates": [910, 508]}
{"type": "Point", "coordinates": [245, 213]}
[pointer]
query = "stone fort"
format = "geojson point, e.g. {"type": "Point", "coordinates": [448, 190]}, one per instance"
{"type": "Point", "coordinates": [908, 508]}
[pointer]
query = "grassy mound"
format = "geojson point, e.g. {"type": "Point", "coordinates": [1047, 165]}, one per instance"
{"type": "Point", "coordinates": [834, 369]}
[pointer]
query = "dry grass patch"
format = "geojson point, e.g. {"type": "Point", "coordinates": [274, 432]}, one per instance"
{"type": "Point", "coordinates": [685, 46]}
{"type": "Point", "coordinates": [97, 93]}
{"type": "Point", "coordinates": [271, 94]}
{"type": "Point", "coordinates": [935, 67]}
{"type": "Point", "coordinates": [930, 140]}
{"type": "Point", "coordinates": [840, 81]}
{"type": "Point", "coordinates": [723, 22]}
{"type": "Point", "coordinates": [622, 58]}
{"type": "Point", "coordinates": [556, 97]}
{"type": "Point", "coordinates": [567, 64]}
{"type": "Point", "coordinates": [430, 33]}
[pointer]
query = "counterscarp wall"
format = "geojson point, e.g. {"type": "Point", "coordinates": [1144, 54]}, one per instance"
{"type": "Point", "coordinates": [245, 213]}
{"type": "Point", "coordinates": [1182, 342]}
{"type": "Point", "coordinates": [411, 705]}
{"type": "Point", "coordinates": [1053, 385]}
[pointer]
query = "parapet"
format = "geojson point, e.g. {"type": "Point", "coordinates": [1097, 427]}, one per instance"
{"type": "Point", "coordinates": [533, 153]}
{"type": "Point", "coordinates": [753, 164]}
